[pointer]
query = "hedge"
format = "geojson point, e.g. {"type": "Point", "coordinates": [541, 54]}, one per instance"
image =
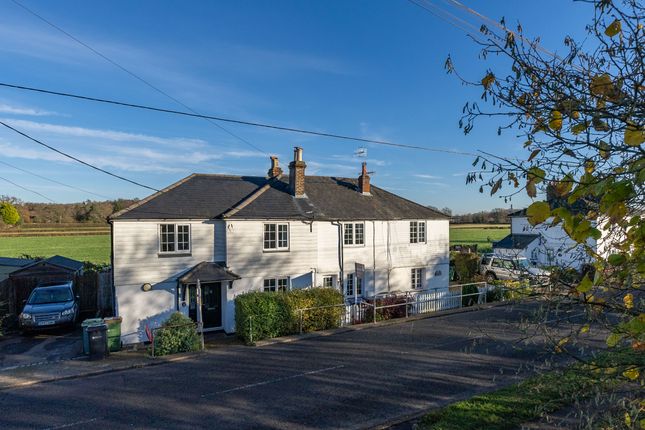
{"type": "Point", "coordinates": [466, 266]}
{"type": "Point", "coordinates": [263, 315]}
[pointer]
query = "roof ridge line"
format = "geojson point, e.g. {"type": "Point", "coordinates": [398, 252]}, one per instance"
{"type": "Point", "coordinates": [152, 196]}
{"type": "Point", "coordinates": [244, 203]}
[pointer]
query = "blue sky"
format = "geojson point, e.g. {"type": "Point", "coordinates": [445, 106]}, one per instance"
{"type": "Point", "coordinates": [371, 69]}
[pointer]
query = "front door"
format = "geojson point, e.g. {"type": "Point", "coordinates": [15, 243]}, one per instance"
{"type": "Point", "coordinates": [211, 304]}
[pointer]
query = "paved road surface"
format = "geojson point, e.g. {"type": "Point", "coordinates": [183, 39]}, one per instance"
{"type": "Point", "coordinates": [352, 380]}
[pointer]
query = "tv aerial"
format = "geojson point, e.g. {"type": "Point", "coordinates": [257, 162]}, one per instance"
{"type": "Point", "coordinates": [361, 152]}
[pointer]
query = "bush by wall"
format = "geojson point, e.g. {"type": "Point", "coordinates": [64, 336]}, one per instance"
{"type": "Point", "coordinates": [177, 334]}
{"type": "Point", "coordinates": [387, 313]}
{"type": "Point", "coordinates": [466, 266]}
{"type": "Point", "coordinates": [467, 299]}
{"type": "Point", "coordinates": [262, 315]}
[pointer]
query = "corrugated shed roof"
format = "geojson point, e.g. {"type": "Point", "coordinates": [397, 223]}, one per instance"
{"type": "Point", "coordinates": [327, 198]}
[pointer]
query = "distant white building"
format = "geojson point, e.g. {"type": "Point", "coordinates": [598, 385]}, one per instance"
{"type": "Point", "coordinates": [239, 233]}
{"type": "Point", "coordinates": [543, 244]}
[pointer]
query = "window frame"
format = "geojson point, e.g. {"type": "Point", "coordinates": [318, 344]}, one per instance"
{"type": "Point", "coordinates": [417, 276]}
{"type": "Point", "coordinates": [277, 239]}
{"type": "Point", "coordinates": [418, 231]}
{"type": "Point", "coordinates": [280, 284]}
{"type": "Point", "coordinates": [176, 241]}
{"type": "Point", "coordinates": [355, 284]}
{"type": "Point", "coordinates": [353, 233]}
{"type": "Point", "coordinates": [332, 279]}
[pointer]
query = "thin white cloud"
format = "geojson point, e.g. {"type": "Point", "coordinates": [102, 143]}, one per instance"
{"type": "Point", "coordinates": [244, 154]}
{"type": "Point", "coordinates": [117, 136]}
{"type": "Point", "coordinates": [329, 169]}
{"type": "Point", "coordinates": [14, 110]}
{"type": "Point", "coordinates": [424, 176]}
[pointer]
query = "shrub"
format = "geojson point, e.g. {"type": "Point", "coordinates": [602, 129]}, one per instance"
{"type": "Point", "coordinates": [466, 266]}
{"type": "Point", "coordinates": [467, 299]}
{"type": "Point", "coordinates": [177, 334]}
{"type": "Point", "coordinates": [387, 313]}
{"type": "Point", "coordinates": [262, 315]}
{"type": "Point", "coordinates": [9, 214]}
{"type": "Point", "coordinates": [495, 294]}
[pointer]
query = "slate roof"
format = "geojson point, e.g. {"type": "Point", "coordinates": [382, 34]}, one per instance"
{"type": "Point", "coordinates": [203, 196]}
{"type": "Point", "coordinates": [15, 262]}
{"type": "Point", "coordinates": [515, 241]}
{"type": "Point", "coordinates": [206, 272]}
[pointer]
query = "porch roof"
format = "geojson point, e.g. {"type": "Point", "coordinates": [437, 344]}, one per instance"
{"type": "Point", "coordinates": [207, 271]}
{"type": "Point", "coordinates": [516, 241]}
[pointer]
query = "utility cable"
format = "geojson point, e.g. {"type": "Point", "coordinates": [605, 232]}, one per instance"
{"type": "Point", "coordinates": [27, 189]}
{"type": "Point", "coordinates": [76, 159]}
{"type": "Point", "coordinates": [235, 121]}
{"type": "Point", "coordinates": [134, 75]}
{"type": "Point", "coordinates": [53, 180]}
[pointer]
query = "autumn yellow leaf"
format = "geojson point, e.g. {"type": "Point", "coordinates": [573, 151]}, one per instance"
{"type": "Point", "coordinates": [631, 374]}
{"type": "Point", "coordinates": [579, 128]}
{"type": "Point", "coordinates": [575, 114]}
{"type": "Point", "coordinates": [634, 135]}
{"type": "Point", "coordinates": [590, 166]}
{"type": "Point", "coordinates": [613, 29]}
{"type": "Point", "coordinates": [600, 85]}
{"type": "Point", "coordinates": [531, 190]}
{"type": "Point", "coordinates": [538, 212]}
{"type": "Point", "coordinates": [488, 80]}
{"type": "Point", "coordinates": [584, 329]}
{"type": "Point", "coordinates": [628, 300]}
{"type": "Point", "coordinates": [604, 150]}
{"type": "Point", "coordinates": [555, 123]}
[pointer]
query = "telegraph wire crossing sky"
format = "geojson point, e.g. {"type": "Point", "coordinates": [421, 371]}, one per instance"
{"type": "Point", "coordinates": [370, 70]}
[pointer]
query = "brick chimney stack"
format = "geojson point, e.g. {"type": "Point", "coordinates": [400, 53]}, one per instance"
{"type": "Point", "coordinates": [364, 181]}
{"type": "Point", "coordinates": [275, 170]}
{"type": "Point", "coordinates": [297, 174]}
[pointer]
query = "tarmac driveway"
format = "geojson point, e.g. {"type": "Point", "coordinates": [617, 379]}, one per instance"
{"type": "Point", "coordinates": [38, 348]}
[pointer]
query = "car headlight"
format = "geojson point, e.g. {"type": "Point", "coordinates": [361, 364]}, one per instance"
{"type": "Point", "coordinates": [67, 311]}
{"type": "Point", "coordinates": [25, 316]}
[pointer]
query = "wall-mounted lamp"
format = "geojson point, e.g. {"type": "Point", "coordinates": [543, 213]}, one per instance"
{"type": "Point", "coordinates": [146, 287]}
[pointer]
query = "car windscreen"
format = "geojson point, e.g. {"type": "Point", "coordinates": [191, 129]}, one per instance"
{"type": "Point", "coordinates": [50, 295]}
{"type": "Point", "coordinates": [522, 263]}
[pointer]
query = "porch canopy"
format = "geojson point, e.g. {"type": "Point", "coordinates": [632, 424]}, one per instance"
{"type": "Point", "coordinates": [207, 271]}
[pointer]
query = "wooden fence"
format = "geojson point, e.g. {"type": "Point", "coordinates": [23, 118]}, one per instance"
{"type": "Point", "coordinates": [93, 288]}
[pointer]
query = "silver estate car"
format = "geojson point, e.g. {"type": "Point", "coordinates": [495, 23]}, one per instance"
{"type": "Point", "coordinates": [49, 305]}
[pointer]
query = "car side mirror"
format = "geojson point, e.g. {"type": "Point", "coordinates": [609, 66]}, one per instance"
{"type": "Point", "coordinates": [24, 302]}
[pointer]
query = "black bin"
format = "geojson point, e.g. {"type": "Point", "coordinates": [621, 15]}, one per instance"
{"type": "Point", "coordinates": [98, 341]}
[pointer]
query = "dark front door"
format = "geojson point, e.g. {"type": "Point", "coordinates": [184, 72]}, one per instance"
{"type": "Point", "coordinates": [212, 304]}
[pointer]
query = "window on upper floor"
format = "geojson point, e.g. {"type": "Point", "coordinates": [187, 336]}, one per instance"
{"type": "Point", "coordinates": [354, 233]}
{"type": "Point", "coordinates": [276, 284]}
{"type": "Point", "coordinates": [417, 278]}
{"type": "Point", "coordinates": [174, 238]}
{"type": "Point", "coordinates": [276, 237]}
{"type": "Point", "coordinates": [417, 231]}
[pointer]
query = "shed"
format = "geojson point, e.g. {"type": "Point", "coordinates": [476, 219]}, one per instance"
{"type": "Point", "coordinates": [22, 281]}
{"type": "Point", "coordinates": [9, 265]}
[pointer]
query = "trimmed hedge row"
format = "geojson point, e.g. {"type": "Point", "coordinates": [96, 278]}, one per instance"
{"type": "Point", "coordinates": [263, 315]}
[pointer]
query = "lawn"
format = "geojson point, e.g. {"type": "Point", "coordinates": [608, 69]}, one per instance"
{"type": "Point", "coordinates": [83, 248]}
{"type": "Point", "coordinates": [481, 235]}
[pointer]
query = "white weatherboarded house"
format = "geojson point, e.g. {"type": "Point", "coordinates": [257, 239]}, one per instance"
{"type": "Point", "coordinates": [238, 234]}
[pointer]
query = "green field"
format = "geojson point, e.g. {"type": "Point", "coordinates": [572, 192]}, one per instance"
{"type": "Point", "coordinates": [83, 248]}
{"type": "Point", "coordinates": [96, 248]}
{"type": "Point", "coordinates": [482, 236]}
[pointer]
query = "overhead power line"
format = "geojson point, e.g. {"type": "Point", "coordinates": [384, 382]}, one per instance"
{"type": "Point", "coordinates": [134, 75]}
{"type": "Point", "coordinates": [53, 180]}
{"type": "Point", "coordinates": [235, 121]}
{"type": "Point", "coordinates": [27, 189]}
{"type": "Point", "coordinates": [75, 158]}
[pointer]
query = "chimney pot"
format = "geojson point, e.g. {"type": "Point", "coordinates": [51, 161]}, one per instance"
{"type": "Point", "coordinates": [297, 174]}
{"type": "Point", "coordinates": [364, 181]}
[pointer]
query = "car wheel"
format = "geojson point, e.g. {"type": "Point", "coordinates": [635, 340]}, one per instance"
{"type": "Point", "coordinates": [490, 277]}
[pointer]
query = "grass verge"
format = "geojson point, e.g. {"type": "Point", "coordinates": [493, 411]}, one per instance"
{"type": "Point", "coordinates": [528, 400]}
